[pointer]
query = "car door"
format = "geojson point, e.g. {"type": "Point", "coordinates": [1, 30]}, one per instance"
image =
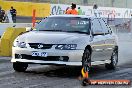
{"type": "Point", "coordinates": [98, 42]}
{"type": "Point", "coordinates": [110, 39]}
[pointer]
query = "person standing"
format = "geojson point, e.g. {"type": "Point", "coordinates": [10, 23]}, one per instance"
{"type": "Point", "coordinates": [95, 11]}
{"type": "Point", "coordinates": [2, 15]}
{"type": "Point", "coordinates": [13, 14]}
{"type": "Point", "coordinates": [80, 11]}
{"type": "Point", "coordinates": [72, 10]}
{"type": "Point", "coordinates": [9, 17]}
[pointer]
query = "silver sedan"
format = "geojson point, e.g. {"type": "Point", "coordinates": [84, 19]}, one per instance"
{"type": "Point", "coordinates": [67, 40]}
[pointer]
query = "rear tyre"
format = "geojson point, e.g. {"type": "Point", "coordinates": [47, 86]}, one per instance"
{"type": "Point", "coordinates": [20, 67]}
{"type": "Point", "coordinates": [114, 60]}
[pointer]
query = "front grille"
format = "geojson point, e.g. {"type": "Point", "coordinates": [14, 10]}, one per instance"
{"type": "Point", "coordinates": [49, 58]}
{"type": "Point", "coordinates": [40, 46]}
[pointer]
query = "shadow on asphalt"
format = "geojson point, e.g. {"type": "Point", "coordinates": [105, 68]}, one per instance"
{"type": "Point", "coordinates": [69, 71]}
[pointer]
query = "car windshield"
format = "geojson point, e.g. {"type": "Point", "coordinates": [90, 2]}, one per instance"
{"type": "Point", "coordinates": [65, 24]}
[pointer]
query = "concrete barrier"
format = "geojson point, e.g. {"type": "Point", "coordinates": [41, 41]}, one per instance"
{"type": "Point", "coordinates": [7, 40]}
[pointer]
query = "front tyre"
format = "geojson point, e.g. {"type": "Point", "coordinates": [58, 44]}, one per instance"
{"type": "Point", "coordinates": [20, 67]}
{"type": "Point", "coordinates": [114, 59]}
{"type": "Point", "coordinates": [86, 60]}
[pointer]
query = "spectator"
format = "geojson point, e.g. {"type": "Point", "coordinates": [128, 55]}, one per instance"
{"type": "Point", "coordinates": [95, 11]}
{"type": "Point", "coordinates": [8, 17]}
{"type": "Point", "coordinates": [80, 11]}
{"type": "Point", "coordinates": [95, 6]}
{"type": "Point", "coordinates": [2, 15]}
{"type": "Point", "coordinates": [13, 14]}
{"type": "Point", "coordinates": [72, 10]}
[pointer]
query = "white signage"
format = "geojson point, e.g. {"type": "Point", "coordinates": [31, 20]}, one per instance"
{"type": "Point", "coordinates": [106, 12]}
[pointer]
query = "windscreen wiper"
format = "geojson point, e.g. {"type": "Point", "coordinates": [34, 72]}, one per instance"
{"type": "Point", "coordinates": [79, 32]}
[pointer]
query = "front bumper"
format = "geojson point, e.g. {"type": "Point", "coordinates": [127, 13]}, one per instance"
{"type": "Point", "coordinates": [75, 56]}
{"type": "Point", "coordinates": [47, 62]}
{"type": "Point", "coordinates": [58, 62]}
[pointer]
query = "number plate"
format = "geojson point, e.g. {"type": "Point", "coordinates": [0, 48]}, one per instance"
{"type": "Point", "coordinates": [41, 54]}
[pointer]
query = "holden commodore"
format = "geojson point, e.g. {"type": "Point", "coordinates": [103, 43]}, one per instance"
{"type": "Point", "coordinates": [74, 40]}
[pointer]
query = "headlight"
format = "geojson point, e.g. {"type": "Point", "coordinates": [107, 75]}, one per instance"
{"type": "Point", "coordinates": [66, 46]}
{"type": "Point", "coordinates": [19, 44]}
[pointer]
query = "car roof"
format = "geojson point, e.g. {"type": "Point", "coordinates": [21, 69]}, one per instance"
{"type": "Point", "coordinates": [67, 15]}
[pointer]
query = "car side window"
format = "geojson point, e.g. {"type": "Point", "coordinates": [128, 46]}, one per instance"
{"type": "Point", "coordinates": [96, 27]}
{"type": "Point", "coordinates": [106, 29]}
